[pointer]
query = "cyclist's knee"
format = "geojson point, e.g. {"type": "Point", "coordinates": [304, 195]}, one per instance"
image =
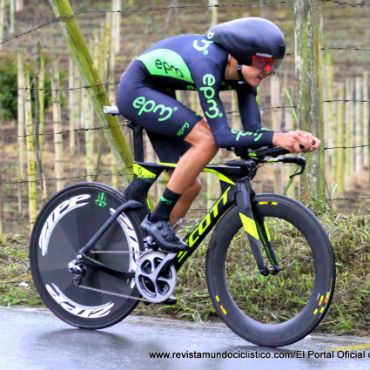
{"type": "Point", "coordinates": [202, 137]}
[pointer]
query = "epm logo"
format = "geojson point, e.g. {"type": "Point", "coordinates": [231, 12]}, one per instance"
{"type": "Point", "coordinates": [148, 106]}
{"type": "Point", "coordinates": [209, 94]}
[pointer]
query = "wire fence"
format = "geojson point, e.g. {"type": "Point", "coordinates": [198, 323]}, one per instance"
{"type": "Point", "coordinates": [48, 23]}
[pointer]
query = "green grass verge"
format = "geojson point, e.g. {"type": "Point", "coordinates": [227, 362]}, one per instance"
{"type": "Point", "coordinates": [348, 314]}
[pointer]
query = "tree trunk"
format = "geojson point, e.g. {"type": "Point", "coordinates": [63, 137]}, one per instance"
{"type": "Point", "coordinates": [98, 94]}
{"type": "Point", "coordinates": [310, 106]}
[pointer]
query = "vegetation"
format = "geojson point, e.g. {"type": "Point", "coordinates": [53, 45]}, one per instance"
{"type": "Point", "coordinates": [348, 314]}
{"type": "Point", "coordinates": [8, 83]}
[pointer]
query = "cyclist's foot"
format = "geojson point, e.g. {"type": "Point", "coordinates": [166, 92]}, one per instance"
{"type": "Point", "coordinates": [164, 235]}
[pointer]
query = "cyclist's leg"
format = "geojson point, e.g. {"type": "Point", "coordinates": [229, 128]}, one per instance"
{"type": "Point", "coordinates": [183, 204]}
{"type": "Point", "coordinates": [193, 161]}
{"type": "Point", "coordinates": [163, 115]}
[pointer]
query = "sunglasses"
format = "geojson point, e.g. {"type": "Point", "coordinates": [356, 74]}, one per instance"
{"type": "Point", "coordinates": [267, 65]}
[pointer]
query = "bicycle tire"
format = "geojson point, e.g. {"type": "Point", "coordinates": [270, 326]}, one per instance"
{"type": "Point", "coordinates": [280, 309]}
{"type": "Point", "coordinates": [67, 221]}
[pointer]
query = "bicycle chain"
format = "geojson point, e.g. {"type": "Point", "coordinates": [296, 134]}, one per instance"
{"type": "Point", "coordinates": [118, 294]}
{"type": "Point", "coordinates": [113, 293]}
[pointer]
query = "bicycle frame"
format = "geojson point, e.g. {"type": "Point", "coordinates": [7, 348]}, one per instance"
{"type": "Point", "coordinates": [234, 179]}
{"type": "Point", "coordinates": [235, 189]}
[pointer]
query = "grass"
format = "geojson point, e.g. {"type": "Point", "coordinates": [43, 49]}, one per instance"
{"type": "Point", "coordinates": [348, 314]}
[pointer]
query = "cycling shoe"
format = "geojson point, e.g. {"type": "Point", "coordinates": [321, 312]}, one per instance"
{"type": "Point", "coordinates": [164, 235]}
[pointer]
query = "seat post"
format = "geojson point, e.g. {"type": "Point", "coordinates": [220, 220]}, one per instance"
{"type": "Point", "coordinates": [138, 141]}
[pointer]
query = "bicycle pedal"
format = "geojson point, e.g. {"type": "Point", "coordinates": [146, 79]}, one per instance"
{"type": "Point", "coordinates": [150, 242]}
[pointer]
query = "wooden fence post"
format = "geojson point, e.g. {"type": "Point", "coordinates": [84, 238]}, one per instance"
{"type": "Point", "coordinates": [358, 127]}
{"type": "Point", "coordinates": [276, 125]}
{"type": "Point", "coordinates": [329, 116]}
{"type": "Point", "coordinates": [365, 118]}
{"type": "Point", "coordinates": [340, 153]}
{"type": "Point", "coordinates": [72, 93]}
{"type": "Point", "coordinates": [349, 158]}
{"type": "Point", "coordinates": [310, 105]}
{"type": "Point", "coordinates": [12, 16]}
{"type": "Point", "coordinates": [38, 129]}
{"type": "Point", "coordinates": [57, 126]}
{"type": "Point", "coordinates": [214, 9]}
{"type": "Point", "coordinates": [31, 157]}
{"type": "Point", "coordinates": [2, 21]}
{"type": "Point", "coordinates": [116, 26]}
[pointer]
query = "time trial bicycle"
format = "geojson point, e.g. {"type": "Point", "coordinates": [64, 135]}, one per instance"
{"type": "Point", "coordinates": [269, 267]}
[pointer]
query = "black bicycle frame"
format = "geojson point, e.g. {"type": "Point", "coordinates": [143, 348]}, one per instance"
{"type": "Point", "coordinates": [235, 185]}
{"type": "Point", "coordinates": [235, 190]}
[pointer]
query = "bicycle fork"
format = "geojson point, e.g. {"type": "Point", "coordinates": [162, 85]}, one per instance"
{"type": "Point", "coordinates": [256, 229]}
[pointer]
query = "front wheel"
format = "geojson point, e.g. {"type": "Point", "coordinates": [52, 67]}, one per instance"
{"type": "Point", "coordinates": [63, 227]}
{"type": "Point", "coordinates": [273, 310]}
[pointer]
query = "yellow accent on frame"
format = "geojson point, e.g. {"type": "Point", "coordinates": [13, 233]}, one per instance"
{"type": "Point", "coordinates": [219, 175]}
{"type": "Point", "coordinates": [142, 172]}
{"type": "Point", "coordinates": [249, 226]}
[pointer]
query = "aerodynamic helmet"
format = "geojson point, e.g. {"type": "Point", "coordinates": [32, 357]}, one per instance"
{"type": "Point", "coordinates": [247, 37]}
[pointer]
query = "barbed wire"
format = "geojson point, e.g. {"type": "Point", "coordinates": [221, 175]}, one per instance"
{"type": "Point", "coordinates": [204, 210]}
{"type": "Point", "coordinates": [137, 10]}
{"type": "Point", "coordinates": [19, 182]}
{"type": "Point", "coordinates": [108, 83]}
{"type": "Point", "coordinates": [106, 127]}
{"type": "Point", "coordinates": [343, 3]}
{"type": "Point", "coordinates": [354, 48]}
{"type": "Point", "coordinates": [161, 8]}
{"type": "Point", "coordinates": [347, 147]}
{"type": "Point", "coordinates": [23, 181]}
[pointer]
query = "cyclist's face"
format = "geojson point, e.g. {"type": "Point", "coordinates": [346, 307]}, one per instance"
{"type": "Point", "coordinates": [253, 75]}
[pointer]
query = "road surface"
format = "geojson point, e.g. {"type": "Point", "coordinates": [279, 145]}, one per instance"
{"type": "Point", "coordinates": [36, 339]}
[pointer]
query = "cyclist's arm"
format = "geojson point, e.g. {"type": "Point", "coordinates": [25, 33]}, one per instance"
{"type": "Point", "coordinates": [208, 78]}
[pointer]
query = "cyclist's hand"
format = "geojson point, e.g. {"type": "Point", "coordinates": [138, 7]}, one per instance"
{"type": "Point", "coordinates": [296, 141]}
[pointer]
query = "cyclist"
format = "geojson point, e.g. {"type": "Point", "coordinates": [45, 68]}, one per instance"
{"type": "Point", "coordinates": [237, 55]}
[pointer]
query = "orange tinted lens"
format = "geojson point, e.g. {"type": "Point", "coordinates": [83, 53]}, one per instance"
{"type": "Point", "coordinates": [264, 64]}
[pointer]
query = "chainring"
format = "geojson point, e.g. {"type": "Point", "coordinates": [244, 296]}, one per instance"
{"type": "Point", "coordinates": [155, 283]}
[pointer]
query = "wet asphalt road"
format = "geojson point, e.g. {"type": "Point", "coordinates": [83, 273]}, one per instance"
{"type": "Point", "coordinates": [35, 339]}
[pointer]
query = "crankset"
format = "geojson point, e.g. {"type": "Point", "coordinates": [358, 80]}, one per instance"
{"type": "Point", "coordinates": [155, 276]}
